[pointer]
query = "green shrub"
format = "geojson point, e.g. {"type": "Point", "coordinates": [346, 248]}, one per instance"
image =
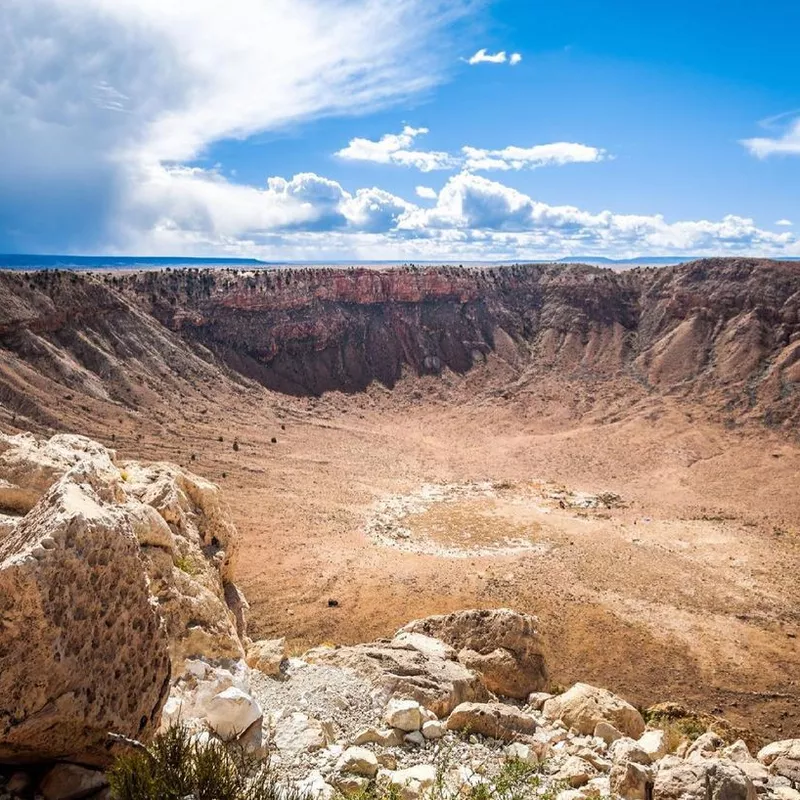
{"type": "Point", "coordinates": [175, 767]}
{"type": "Point", "coordinates": [514, 780]}
{"type": "Point", "coordinates": [185, 564]}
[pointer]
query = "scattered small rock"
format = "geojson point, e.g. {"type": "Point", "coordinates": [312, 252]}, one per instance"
{"type": "Point", "coordinates": [405, 715]}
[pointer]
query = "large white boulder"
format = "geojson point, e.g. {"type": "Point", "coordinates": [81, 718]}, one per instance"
{"type": "Point", "coordinates": [584, 706]}
{"type": "Point", "coordinates": [298, 733]}
{"type": "Point", "coordinates": [412, 782]}
{"type": "Point", "coordinates": [654, 743]}
{"type": "Point", "coordinates": [406, 715]}
{"type": "Point", "coordinates": [786, 748]}
{"type": "Point", "coordinates": [116, 573]}
{"type": "Point", "coordinates": [230, 713]}
{"type": "Point", "coordinates": [628, 750]}
{"type": "Point", "coordinates": [406, 668]}
{"type": "Point", "coordinates": [84, 649]}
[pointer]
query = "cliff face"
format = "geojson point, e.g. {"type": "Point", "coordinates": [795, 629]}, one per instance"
{"type": "Point", "coordinates": [310, 331]}
{"type": "Point", "coordinates": [724, 329]}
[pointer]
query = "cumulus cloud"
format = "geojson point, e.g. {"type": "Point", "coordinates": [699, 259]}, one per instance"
{"type": "Point", "coordinates": [787, 143]}
{"type": "Point", "coordinates": [474, 205]}
{"type": "Point", "coordinates": [204, 206]}
{"type": "Point", "coordinates": [374, 210]}
{"type": "Point", "coordinates": [785, 223]}
{"type": "Point", "coordinates": [397, 149]}
{"type": "Point", "coordinates": [556, 153]}
{"type": "Point", "coordinates": [473, 218]}
{"type": "Point", "coordinates": [99, 97]}
{"type": "Point", "coordinates": [484, 57]}
{"type": "Point", "coordinates": [426, 193]}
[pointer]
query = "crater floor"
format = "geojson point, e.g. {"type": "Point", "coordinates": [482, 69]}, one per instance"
{"type": "Point", "coordinates": [659, 548]}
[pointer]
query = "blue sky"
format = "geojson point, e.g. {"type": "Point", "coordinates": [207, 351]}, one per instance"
{"type": "Point", "coordinates": [400, 129]}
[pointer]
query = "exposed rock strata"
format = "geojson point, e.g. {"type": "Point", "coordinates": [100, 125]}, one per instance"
{"type": "Point", "coordinates": [723, 330]}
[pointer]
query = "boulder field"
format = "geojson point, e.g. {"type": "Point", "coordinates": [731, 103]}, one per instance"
{"type": "Point", "coordinates": [119, 616]}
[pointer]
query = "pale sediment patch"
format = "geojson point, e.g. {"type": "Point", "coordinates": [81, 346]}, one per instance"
{"type": "Point", "coordinates": [483, 518]}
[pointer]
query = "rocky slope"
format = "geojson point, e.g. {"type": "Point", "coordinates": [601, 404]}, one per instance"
{"type": "Point", "coordinates": [119, 616]}
{"type": "Point", "coordinates": [725, 331]}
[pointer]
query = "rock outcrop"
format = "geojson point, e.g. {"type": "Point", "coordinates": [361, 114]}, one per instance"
{"type": "Point", "coordinates": [583, 707]}
{"type": "Point", "coordinates": [495, 720]}
{"type": "Point", "coordinates": [418, 668]}
{"type": "Point", "coordinates": [702, 779]}
{"type": "Point", "coordinates": [110, 574]}
{"type": "Point", "coordinates": [501, 645]}
{"type": "Point", "coordinates": [83, 650]}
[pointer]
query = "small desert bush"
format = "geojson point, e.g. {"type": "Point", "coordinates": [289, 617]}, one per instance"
{"type": "Point", "coordinates": [185, 564]}
{"type": "Point", "coordinates": [677, 725]}
{"type": "Point", "coordinates": [514, 780]}
{"type": "Point", "coordinates": [176, 766]}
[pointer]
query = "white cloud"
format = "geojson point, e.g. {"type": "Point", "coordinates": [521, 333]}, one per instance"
{"type": "Point", "coordinates": [98, 95]}
{"type": "Point", "coordinates": [476, 206]}
{"type": "Point", "coordinates": [556, 153]}
{"type": "Point", "coordinates": [108, 105]}
{"type": "Point", "coordinates": [482, 57]}
{"type": "Point", "coordinates": [426, 193]}
{"type": "Point", "coordinates": [396, 149]}
{"type": "Point", "coordinates": [514, 59]}
{"type": "Point", "coordinates": [190, 210]}
{"type": "Point", "coordinates": [374, 210]}
{"type": "Point", "coordinates": [192, 202]}
{"type": "Point", "coordinates": [787, 223]}
{"type": "Point", "coordinates": [788, 143]}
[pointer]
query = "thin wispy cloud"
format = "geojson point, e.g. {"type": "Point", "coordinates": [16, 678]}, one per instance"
{"type": "Point", "coordinates": [501, 57]}
{"type": "Point", "coordinates": [108, 98]}
{"type": "Point", "coordinates": [786, 143]}
{"type": "Point", "coordinates": [517, 158]}
{"type": "Point", "coordinates": [784, 223]}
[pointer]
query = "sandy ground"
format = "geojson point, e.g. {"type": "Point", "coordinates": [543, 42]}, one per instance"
{"type": "Point", "coordinates": [686, 590]}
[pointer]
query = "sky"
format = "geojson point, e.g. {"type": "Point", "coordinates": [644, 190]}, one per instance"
{"type": "Point", "coordinates": [410, 130]}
